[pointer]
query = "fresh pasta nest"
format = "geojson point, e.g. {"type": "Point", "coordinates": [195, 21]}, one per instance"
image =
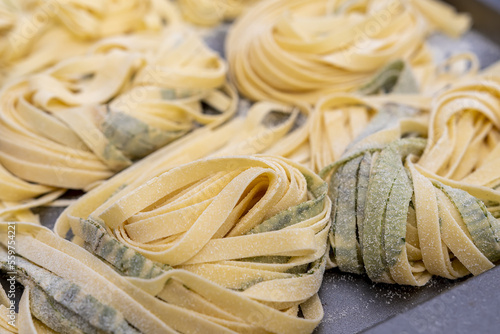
{"type": "Point", "coordinates": [209, 215]}
{"type": "Point", "coordinates": [301, 50]}
{"type": "Point", "coordinates": [88, 117]}
{"type": "Point", "coordinates": [360, 153]}
{"type": "Point", "coordinates": [38, 34]}
{"type": "Point", "coordinates": [247, 231]}
{"type": "Point", "coordinates": [406, 208]}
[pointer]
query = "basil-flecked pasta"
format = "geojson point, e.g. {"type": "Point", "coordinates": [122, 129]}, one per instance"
{"type": "Point", "coordinates": [302, 50]}
{"type": "Point", "coordinates": [234, 244]}
{"type": "Point", "coordinates": [361, 153]}
{"type": "Point", "coordinates": [91, 116]}
{"type": "Point", "coordinates": [37, 34]}
{"type": "Point", "coordinates": [400, 223]}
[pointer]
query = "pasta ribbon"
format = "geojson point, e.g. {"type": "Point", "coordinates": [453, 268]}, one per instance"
{"type": "Point", "coordinates": [342, 120]}
{"type": "Point", "coordinates": [267, 128]}
{"type": "Point", "coordinates": [7, 314]}
{"type": "Point", "coordinates": [302, 50]}
{"type": "Point", "coordinates": [464, 133]}
{"type": "Point", "coordinates": [78, 123]}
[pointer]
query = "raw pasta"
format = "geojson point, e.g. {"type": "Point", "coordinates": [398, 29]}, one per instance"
{"type": "Point", "coordinates": [301, 50]}
{"type": "Point", "coordinates": [202, 235]}
{"type": "Point", "coordinates": [341, 120]}
{"type": "Point", "coordinates": [464, 133]}
{"type": "Point", "coordinates": [401, 219]}
{"type": "Point", "coordinates": [37, 34]}
{"type": "Point", "coordinates": [251, 134]}
{"type": "Point", "coordinates": [212, 12]}
{"type": "Point", "coordinates": [251, 253]}
{"type": "Point", "coordinates": [89, 117]}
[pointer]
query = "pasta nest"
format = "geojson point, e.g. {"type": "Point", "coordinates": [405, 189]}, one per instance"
{"type": "Point", "coordinates": [406, 208]}
{"type": "Point", "coordinates": [90, 116]}
{"type": "Point", "coordinates": [302, 50]}
{"type": "Point", "coordinates": [253, 224]}
{"type": "Point", "coordinates": [37, 34]}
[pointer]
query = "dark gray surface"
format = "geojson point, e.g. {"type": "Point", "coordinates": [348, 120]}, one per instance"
{"type": "Point", "coordinates": [353, 303]}
{"type": "Point", "coordinates": [485, 49]}
{"type": "Point", "coordinates": [471, 307]}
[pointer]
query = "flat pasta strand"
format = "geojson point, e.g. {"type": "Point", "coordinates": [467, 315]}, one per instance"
{"type": "Point", "coordinates": [464, 133]}
{"type": "Point", "coordinates": [213, 12]}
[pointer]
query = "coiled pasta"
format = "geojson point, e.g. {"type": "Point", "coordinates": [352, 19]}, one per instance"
{"type": "Point", "coordinates": [39, 33]}
{"type": "Point", "coordinates": [405, 209]}
{"type": "Point", "coordinates": [300, 50]}
{"type": "Point", "coordinates": [212, 12]}
{"type": "Point", "coordinates": [90, 116]}
{"type": "Point", "coordinates": [231, 243]}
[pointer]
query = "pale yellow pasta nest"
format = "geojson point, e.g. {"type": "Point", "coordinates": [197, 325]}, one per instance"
{"type": "Point", "coordinates": [37, 34]}
{"type": "Point", "coordinates": [301, 50]}
{"type": "Point", "coordinates": [258, 225]}
{"type": "Point", "coordinates": [88, 117]}
{"type": "Point", "coordinates": [407, 209]}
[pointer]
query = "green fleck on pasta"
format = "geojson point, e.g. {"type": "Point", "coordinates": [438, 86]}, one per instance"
{"type": "Point", "coordinates": [362, 190]}
{"type": "Point", "coordinates": [385, 172]}
{"type": "Point", "coordinates": [65, 306]}
{"type": "Point", "coordinates": [125, 260]}
{"type": "Point", "coordinates": [346, 244]}
{"type": "Point", "coordinates": [396, 77]}
{"type": "Point", "coordinates": [291, 216]}
{"type": "Point", "coordinates": [134, 138]}
{"type": "Point", "coordinates": [279, 259]}
{"type": "Point", "coordinates": [396, 216]}
{"type": "Point", "coordinates": [483, 227]}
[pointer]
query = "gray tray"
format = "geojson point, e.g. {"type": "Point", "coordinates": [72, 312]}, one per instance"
{"type": "Point", "coordinates": [354, 304]}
